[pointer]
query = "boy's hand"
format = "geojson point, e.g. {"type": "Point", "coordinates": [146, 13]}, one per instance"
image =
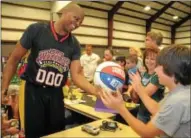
{"type": "Point", "coordinates": [112, 100]}
{"type": "Point", "coordinates": [136, 81]}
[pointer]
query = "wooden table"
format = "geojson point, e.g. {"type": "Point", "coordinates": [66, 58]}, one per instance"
{"type": "Point", "coordinates": [88, 110]}
{"type": "Point", "coordinates": [124, 131]}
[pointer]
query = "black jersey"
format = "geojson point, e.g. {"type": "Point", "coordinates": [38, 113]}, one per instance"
{"type": "Point", "coordinates": [50, 58]}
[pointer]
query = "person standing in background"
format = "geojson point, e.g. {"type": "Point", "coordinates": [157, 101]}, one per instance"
{"type": "Point", "coordinates": [153, 39]}
{"type": "Point", "coordinates": [108, 55]}
{"type": "Point", "coordinates": [89, 62]}
{"type": "Point", "coordinates": [133, 51]}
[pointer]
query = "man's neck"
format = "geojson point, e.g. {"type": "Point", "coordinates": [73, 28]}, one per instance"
{"type": "Point", "coordinates": [58, 29]}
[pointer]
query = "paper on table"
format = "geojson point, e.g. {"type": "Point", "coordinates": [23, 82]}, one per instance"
{"type": "Point", "coordinates": [70, 102]}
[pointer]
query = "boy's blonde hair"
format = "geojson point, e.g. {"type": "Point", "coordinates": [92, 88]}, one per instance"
{"type": "Point", "coordinates": [138, 51]}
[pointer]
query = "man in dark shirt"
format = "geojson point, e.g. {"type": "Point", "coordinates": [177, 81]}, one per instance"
{"type": "Point", "coordinates": [54, 51]}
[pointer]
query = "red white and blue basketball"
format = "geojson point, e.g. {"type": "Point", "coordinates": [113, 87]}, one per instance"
{"type": "Point", "coordinates": [110, 76]}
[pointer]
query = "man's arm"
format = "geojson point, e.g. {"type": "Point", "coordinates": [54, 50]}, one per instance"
{"type": "Point", "coordinates": [79, 79]}
{"type": "Point", "coordinates": [149, 129]}
{"type": "Point", "coordinates": [11, 65]}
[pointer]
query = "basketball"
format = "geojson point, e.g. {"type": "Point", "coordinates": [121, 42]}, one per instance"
{"type": "Point", "coordinates": [109, 76]}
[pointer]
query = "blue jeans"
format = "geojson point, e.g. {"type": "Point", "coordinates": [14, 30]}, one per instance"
{"type": "Point", "coordinates": [143, 118]}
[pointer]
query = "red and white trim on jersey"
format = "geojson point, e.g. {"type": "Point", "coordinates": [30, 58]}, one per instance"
{"type": "Point", "coordinates": [54, 33]}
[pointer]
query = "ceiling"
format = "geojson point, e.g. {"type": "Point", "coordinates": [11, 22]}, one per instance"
{"type": "Point", "coordinates": [182, 9]}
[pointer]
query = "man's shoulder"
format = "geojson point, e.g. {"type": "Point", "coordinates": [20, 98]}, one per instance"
{"type": "Point", "coordinates": [74, 39]}
{"type": "Point", "coordinates": [83, 56]}
{"type": "Point", "coordinates": [39, 25]}
{"type": "Point", "coordinates": [95, 55]}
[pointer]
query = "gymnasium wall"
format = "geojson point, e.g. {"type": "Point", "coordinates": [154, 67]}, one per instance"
{"type": "Point", "coordinates": [94, 28]}
{"type": "Point", "coordinates": [183, 35]}
{"type": "Point", "coordinates": [127, 30]}
{"type": "Point", "coordinates": [16, 16]}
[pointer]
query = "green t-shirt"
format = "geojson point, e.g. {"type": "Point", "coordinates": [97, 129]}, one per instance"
{"type": "Point", "coordinates": [157, 96]}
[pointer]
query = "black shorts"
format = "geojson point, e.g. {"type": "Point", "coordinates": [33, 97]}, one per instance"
{"type": "Point", "coordinates": [44, 110]}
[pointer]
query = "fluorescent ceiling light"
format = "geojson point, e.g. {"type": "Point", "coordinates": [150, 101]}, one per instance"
{"type": "Point", "coordinates": [175, 17]}
{"type": "Point", "coordinates": [147, 8]}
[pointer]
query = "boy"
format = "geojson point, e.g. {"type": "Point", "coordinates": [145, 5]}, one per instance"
{"type": "Point", "coordinates": [131, 64]}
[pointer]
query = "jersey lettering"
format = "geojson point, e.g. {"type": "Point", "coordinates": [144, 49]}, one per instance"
{"type": "Point", "coordinates": [41, 75]}
{"type": "Point", "coordinates": [49, 78]}
{"type": "Point", "coordinates": [58, 80]}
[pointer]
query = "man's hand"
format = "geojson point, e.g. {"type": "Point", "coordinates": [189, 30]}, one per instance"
{"type": "Point", "coordinates": [12, 131]}
{"type": "Point", "coordinates": [7, 123]}
{"type": "Point", "coordinates": [98, 90]}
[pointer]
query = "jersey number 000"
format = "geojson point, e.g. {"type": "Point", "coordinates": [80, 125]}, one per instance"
{"type": "Point", "coordinates": [49, 78]}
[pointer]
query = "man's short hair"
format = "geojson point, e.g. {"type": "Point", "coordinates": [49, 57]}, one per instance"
{"type": "Point", "coordinates": [132, 58]}
{"type": "Point", "coordinates": [88, 45]}
{"type": "Point", "coordinates": [111, 51]}
{"type": "Point", "coordinates": [158, 37]}
{"type": "Point", "coordinates": [175, 60]}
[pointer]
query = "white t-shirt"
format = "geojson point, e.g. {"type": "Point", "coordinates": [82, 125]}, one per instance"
{"type": "Point", "coordinates": [89, 64]}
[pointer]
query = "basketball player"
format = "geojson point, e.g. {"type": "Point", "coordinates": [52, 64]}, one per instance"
{"type": "Point", "coordinates": [54, 51]}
